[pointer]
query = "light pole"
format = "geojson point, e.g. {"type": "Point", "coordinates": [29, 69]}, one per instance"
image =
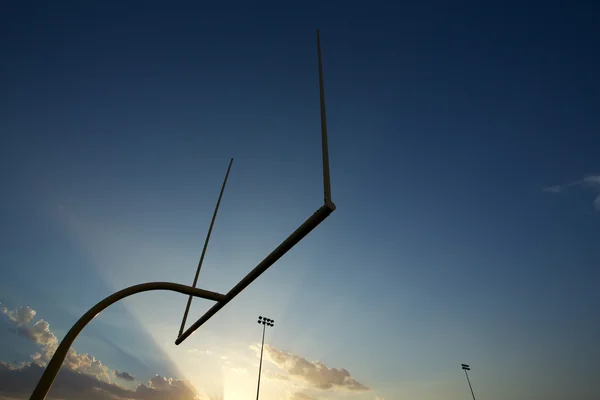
{"type": "Point", "coordinates": [466, 368]}
{"type": "Point", "coordinates": [265, 322]}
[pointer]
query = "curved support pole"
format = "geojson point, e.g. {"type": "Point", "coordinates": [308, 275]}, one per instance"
{"type": "Point", "coordinates": [45, 383]}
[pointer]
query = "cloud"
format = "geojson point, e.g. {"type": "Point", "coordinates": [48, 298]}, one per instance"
{"type": "Point", "coordinates": [20, 316]}
{"type": "Point", "coordinates": [82, 375]}
{"type": "Point", "coordinates": [41, 335]}
{"type": "Point", "coordinates": [71, 385]}
{"type": "Point", "coordinates": [160, 387]}
{"type": "Point", "coordinates": [19, 381]}
{"type": "Point", "coordinates": [276, 376]}
{"type": "Point", "coordinates": [87, 364]}
{"type": "Point", "coordinates": [126, 376]}
{"type": "Point", "coordinates": [315, 374]}
{"type": "Point", "coordinates": [591, 181]}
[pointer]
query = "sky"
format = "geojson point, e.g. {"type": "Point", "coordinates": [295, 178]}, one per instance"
{"type": "Point", "coordinates": [464, 143]}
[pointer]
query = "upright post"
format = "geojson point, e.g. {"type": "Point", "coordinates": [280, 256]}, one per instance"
{"type": "Point", "coordinates": [210, 228]}
{"type": "Point", "coordinates": [47, 379]}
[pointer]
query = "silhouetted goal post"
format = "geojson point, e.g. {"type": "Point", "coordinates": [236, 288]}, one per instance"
{"type": "Point", "coordinates": [51, 371]}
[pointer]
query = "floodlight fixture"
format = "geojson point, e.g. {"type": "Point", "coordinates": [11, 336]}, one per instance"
{"type": "Point", "coordinates": [311, 223]}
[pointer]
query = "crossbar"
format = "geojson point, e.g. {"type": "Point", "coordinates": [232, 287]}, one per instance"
{"type": "Point", "coordinates": [304, 229]}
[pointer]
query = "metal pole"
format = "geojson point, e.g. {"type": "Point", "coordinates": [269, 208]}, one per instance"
{"type": "Point", "coordinates": [45, 383]}
{"type": "Point", "coordinates": [311, 223]}
{"type": "Point", "coordinates": [325, 147]}
{"type": "Point", "coordinates": [261, 356]}
{"type": "Point", "coordinates": [469, 381]}
{"type": "Point", "coordinates": [210, 228]}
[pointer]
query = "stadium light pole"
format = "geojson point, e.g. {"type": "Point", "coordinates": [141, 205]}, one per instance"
{"type": "Point", "coordinates": [265, 322]}
{"type": "Point", "coordinates": [466, 368]}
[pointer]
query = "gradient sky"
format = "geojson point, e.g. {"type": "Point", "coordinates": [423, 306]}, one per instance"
{"type": "Point", "coordinates": [464, 157]}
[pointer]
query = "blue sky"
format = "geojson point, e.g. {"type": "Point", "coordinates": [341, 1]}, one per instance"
{"type": "Point", "coordinates": [464, 163]}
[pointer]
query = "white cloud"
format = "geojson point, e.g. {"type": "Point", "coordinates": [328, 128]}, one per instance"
{"type": "Point", "coordinates": [20, 316]}
{"type": "Point", "coordinates": [592, 181]}
{"type": "Point", "coordinates": [160, 387]}
{"type": "Point", "coordinates": [82, 375]}
{"type": "Point", "coordinates": [87, 364]}
{"type": "Point", "coordinates": [276, 376]}
{"type": "Point", "coordinates": [41, 334]}
{"type": "Point", "coordinates": [315, 374]}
